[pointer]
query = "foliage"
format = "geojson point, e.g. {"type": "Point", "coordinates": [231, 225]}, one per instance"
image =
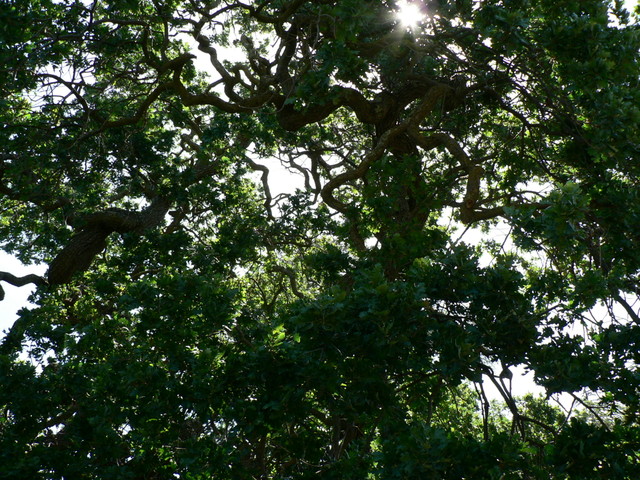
{"type": "Point", "coordinates": [201, 320]}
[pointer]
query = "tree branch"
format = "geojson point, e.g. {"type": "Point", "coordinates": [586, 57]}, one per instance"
{"type": "Point", "coordinates": [420, 112]}
{"type": "Point", "coordinates": [19, 281]}
{"type": "Point", "coordinates": [78, 254]}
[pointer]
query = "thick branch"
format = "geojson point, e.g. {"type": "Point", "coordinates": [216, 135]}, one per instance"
{"type": "Point", "coordinates": [370, 112]}
{"type": "Point", "coordinates": [92, 238]}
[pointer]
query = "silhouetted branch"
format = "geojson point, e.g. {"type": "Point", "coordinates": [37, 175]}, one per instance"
{"type": "Point", "coordinates": [19, 281]}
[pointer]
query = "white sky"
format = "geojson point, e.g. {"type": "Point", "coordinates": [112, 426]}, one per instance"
{"type": "Point", "coordinates": [15, 297]}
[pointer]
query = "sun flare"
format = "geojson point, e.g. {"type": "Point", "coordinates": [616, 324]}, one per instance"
{"type": "Point", "coordinates": [409, 13]}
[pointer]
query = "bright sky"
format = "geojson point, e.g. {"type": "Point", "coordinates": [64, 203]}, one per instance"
{"type": "Point", "coordinates": [409, 13]}
{"type": "Point", "coordinates": [15, 297]}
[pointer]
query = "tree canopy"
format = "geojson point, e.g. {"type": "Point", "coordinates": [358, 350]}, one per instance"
{"type": "Point", "coordinates": [463, 198]}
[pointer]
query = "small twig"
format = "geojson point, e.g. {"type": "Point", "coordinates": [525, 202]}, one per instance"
{"type": "Point", "coordinates": [591, 409]}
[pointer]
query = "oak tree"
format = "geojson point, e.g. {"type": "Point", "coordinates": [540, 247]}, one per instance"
{"type": "Point", "coordinates": [461, 198]}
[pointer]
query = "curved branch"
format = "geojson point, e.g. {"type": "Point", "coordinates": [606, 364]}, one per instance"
{"type": "Point", "coordinates": [19, 281]}
{"type": "Point", "coordinates": [292, 279]}
{"type": "Point", "coordinates": [427, 105]}
{"type": "Point", "coordinates": [439, 138]}
{"type": "Point", "coordinates": [264, 177]}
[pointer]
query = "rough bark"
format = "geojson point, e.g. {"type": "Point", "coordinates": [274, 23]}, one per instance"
{"type": "Point", "coordinates": [91, 239]}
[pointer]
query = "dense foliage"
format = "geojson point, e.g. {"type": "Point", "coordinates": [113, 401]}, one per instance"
{"type": "Point", "coordinates": [463, 198]}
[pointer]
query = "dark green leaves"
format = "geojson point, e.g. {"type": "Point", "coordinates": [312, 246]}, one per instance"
{"type": "Point", "coordinates": [209, 315]}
